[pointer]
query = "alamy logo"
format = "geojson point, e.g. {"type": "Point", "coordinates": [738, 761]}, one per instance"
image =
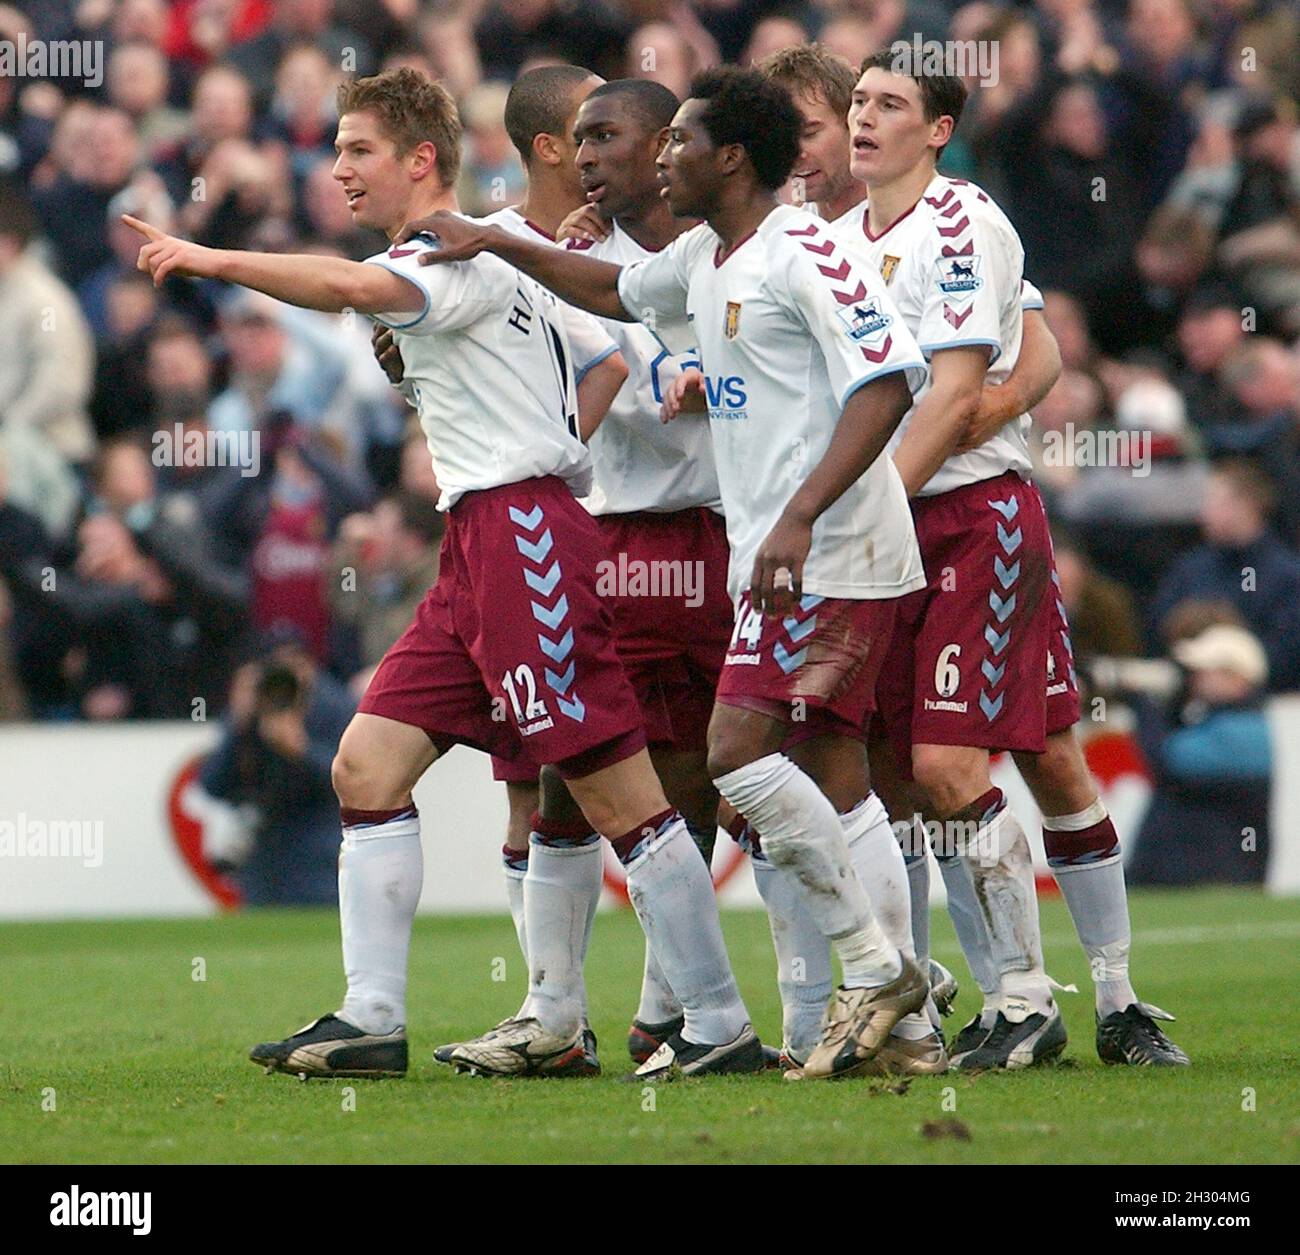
{"type": "Point", "coordinates": [635, 577]}
{"type": "Point", "coordinates": [25, 837]}
{"type": "Point", "coordinates": [126, 1209]}
{"type": "Point", "coordinates": [957, 58]}
{"type": "Point", "coordinates": [53, 58]}
{"type": "Point", "coordinates": [194, 447]}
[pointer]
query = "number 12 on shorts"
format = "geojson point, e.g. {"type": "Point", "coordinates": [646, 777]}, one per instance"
{"type": "Point", "coordinates": [522, 683]}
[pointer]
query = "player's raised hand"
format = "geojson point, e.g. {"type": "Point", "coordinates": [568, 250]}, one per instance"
{"type": "Point", "coordinates": [458, 238]}
{"type": "Point", "coordinates": [777, 580]}
{"type": "Point", "coordinates": [162, 254]}
{"type": "Point", "coordinates": [584, 223]}
{"type": "Point", "coordinates": [685, 395]}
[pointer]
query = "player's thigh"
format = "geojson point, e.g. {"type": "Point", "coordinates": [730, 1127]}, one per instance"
{"type": "Point", "coordinates": [684, 774]}
{"type": "Point", "coordinates": [839, 766]}
{"type": "Point", "coordinates": [1059, 778]}
{"type": "Point", "coordinates": [892, 781]}
{"type": "Point", "coordinates": [739, 735]}
{"type": "Point", "coordinates": [379, 761]}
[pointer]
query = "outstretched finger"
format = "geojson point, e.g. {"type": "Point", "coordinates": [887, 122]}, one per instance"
{"type": "Point", "coordinates": [149, 232]}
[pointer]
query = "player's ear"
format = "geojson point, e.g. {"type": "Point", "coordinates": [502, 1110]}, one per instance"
{"type": "Point", "coordinates": [659, 139]}
{"type": "Point", "coordinates": [547, 147]}
{"type": "Point", "coordinates": [424, 159]}
{"type": "Point", "coordinates": [731, 157]}
{"type": "Point", "coordinates": [942, 130]}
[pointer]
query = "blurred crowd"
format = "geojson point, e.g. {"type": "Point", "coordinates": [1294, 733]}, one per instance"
{"type": "Point", "coordinates": [1148, 151]}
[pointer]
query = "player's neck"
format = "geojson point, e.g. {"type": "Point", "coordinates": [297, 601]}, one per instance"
{"type": "Point", "coordinates": [652, 225]}
{"type": "Point", "coordinates": [421, 206]}
{"type": "Point", "coordinates": [852, 193]}
{"type": "Point", "coordinates": [738, 217]}
{"type": "Point", "coordinates": [546, 204]}
{"type": "Point", "coordinates": [888, 202]}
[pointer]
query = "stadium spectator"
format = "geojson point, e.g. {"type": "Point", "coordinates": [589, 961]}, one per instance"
{"type": "Point", "coordinates": [1262, 379]}
{"type": "Point", "coordinates": [294, 26]}
{"type": "Point", "coordinates": [1209, 330]}
{"type": "Point", "coordinates": [271, 366]}
{"type": "Point", "coordinates": [1155, 476]}
{"type": "Point", "coordinates": [382, 564]}
{"type": "Point", "coordinates": [1211, 757]}
{"type": "Point", "coordinates": [144, 197]}
{"type": "Point", "coordinates": [582, 32]}
{"type": "Point", "coordinates": [491, 176]}
{"type": "Point", "coordinates": [660, 51]}
{"type": "Point", "coordinates": [139, 80]}
{"type": "Point", "coordinates": [47, 361]}
{"type": "Point", "coordinates": [99, 158]}
{"type": "Point", "coordinates": [284, 723]}
{"type": "Point", "coordinates": [1243, 563]}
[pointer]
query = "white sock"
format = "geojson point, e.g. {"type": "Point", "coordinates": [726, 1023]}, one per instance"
{"type": "Point", "coordinates": [1097, 899]}
{"type": "Point", "coordinates": [514, 865]}
{"type": "Point", "coordinates": [558, 889]}
{"type": "Point", "coordinates": [878, 862]}
{"type": "Point", "coordinates": [658, 1003]}
{"type": "Point", "coordinates": [918, 889]}
{"type": "Point", "coordinates": [801, 834]}
{"type": "Point", "coordinates": [972, 933]}
{"type": "Point", "coordinates": [803, 958]}
{"type": "Point", "coordinates": [672, 894]}
{"type": "Point", "coordinates": [1003, 870]}
{"type": "Point", "coordinates": [381, 870]}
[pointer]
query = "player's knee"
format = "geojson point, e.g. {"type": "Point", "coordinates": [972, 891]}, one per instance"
{"type": "Point", "coordinates": [365, 781]}
{"type": "Point", "coordinates": [346, 777]}
{"type": "Point", "coordinates": [943, 775]}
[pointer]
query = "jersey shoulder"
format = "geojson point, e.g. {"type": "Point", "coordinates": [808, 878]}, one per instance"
{"type": "Point", "coordinates": [951, 204]}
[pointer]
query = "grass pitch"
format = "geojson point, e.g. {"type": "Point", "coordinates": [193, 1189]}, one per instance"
{"type": "Point", "coordinates": [143, 1063]}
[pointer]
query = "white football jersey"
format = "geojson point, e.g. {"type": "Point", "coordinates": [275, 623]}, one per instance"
{"type": "Point", "coordinates": [788, 328]}
{"type": "Point", "coordinates": [490, 362]}
{"type": "Point", "coordinates": [953, 265]}
{"type": "Point", "coordinates": [639, 462]}
{"type": "Point", "coordinates": [510, 219]}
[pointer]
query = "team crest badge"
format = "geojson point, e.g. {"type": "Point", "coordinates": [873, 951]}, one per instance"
{"type": "Point", "coordinates": [888, 266]}
{"type": "Point", "coordinates": [731, 322]}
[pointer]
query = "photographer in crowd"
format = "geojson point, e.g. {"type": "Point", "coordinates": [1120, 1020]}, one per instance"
{"type": "Point", "coordinates": [273, 764]}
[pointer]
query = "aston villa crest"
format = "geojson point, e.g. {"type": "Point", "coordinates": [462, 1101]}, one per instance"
{"type": "Point", "coordinates": [731, 323]}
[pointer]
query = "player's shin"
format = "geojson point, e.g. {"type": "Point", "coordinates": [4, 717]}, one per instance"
{"type": "Point", "coordinates": [972, 933]}
{"type": "Point", "coordinates": [564, 876]}
{"type": "Point", "coordinates": [878, 862]}
{"type": "Point", "coordinates": [1084, 855]}
{"type": "Point", "coordinates": [672, 894]}
{"type": "Point", "coordinates": [381, 869]}
{"type": "Point", "coordinates": [1003, 871]}
{"type": "Point", "coordinates": [916, 861]}
{"type": "Point", "coordinates": [802, 835]}
{"type": "Point", "coordinates": [514, 865]}
{"type": "Point", "coordinates": [803, 959]}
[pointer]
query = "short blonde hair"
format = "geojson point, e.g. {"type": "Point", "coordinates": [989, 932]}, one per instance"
{"type": "Point", "coordinates": [412, 109]}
